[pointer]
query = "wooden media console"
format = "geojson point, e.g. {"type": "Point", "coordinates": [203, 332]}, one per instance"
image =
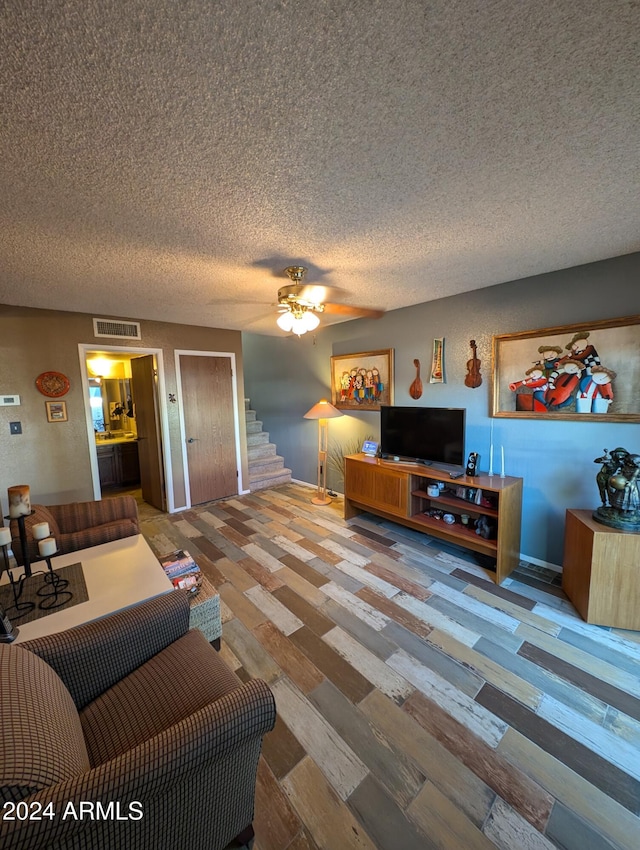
{"type": "Point", "coordinates": [398, 491]}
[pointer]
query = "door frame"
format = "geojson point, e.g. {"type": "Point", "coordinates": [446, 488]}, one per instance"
{"type": "Point", "coordinates": [83, 349]}
{"type": "Point", "coordinates": [236, 422]}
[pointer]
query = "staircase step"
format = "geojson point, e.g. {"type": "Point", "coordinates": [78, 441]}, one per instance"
{"type": "Point", "coordinates": [266, 468]}
{"type": "Point", "coordinates": [261, 450]}
{"type": "Point", "coordinates": [260, 465]}
{"type": "Point", "coordinates": [265, 481]}
{"type": "Point", "coordinates": [257, 439]}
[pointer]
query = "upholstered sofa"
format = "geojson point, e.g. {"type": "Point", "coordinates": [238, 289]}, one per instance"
{"type": "Point", "coordinates": [128, 732]}
{"type": "Point", "coordinates": [79, 525]}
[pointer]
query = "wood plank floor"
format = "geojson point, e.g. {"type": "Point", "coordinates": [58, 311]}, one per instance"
{"type": "Point", "coordinates": [419, 705]}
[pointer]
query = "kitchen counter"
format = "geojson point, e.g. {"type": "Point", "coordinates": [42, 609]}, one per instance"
{"type": "Point", "coordinates": [115, 441]}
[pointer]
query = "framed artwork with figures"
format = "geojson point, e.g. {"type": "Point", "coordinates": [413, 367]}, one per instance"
{"type": "Point", "coordinates": [362, 381]}
{"type": "Point", "coordinates": [587, 372]}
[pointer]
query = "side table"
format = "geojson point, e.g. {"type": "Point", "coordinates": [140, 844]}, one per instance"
{"type": "Point", "coordinates": [205, 612]}
{"type": "Point", "coordinates": [601, 571]}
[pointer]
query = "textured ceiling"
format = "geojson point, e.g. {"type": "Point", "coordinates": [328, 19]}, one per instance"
{"type": "Point", "coordinates": [167, 160]}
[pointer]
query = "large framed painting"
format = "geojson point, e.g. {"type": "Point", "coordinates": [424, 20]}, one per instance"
{"type": "Point", "coordinates": [362, 381]}
{"type": "Point", "coordinates": [589, 371]}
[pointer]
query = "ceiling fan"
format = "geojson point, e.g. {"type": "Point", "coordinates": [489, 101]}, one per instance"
{"type": "Point", "coordinates": [301, 302]}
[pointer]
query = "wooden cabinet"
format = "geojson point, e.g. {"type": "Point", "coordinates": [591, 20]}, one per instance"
{"type": "Point", "coordinates": [118, 464]}
{"type": "Point", "coordinates": [386, 489]}
{"type": "Point", "coordinates": [399, 492]}
{"type": "Point", "coordinates": [107, 465]}
{"type": "Point", "coordinates": [129, 471]}
{"type": "Point", "coordinates": [600, 572]}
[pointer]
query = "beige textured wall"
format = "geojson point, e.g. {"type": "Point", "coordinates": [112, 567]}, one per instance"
{"type": "Point", "coordinates": [53, 458]}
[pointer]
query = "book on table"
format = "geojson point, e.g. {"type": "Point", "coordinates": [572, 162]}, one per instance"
{"type": "Point", "coordinates": [182, 570]}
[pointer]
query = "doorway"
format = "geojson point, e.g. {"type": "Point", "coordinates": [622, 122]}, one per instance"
{"type": "Point", "coordinates": [208, 405]}
{"type": "Point", "coordinates": [127, 423]}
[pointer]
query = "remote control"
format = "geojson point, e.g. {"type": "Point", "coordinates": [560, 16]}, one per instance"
{"type": "Point", "coordinates": [456, 474]}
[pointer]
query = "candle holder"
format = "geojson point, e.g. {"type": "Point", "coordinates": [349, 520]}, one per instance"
{"type": "Point", "coordinates": [4, 547]}
{"type": "Point", "coordinates": [54, 589]}
{"type": "Point", "coordinates": [8, 632]}
{"type": "Point", "coordinates": [17, 587]}
{"type": "Point", "coordinates": [20, 519]}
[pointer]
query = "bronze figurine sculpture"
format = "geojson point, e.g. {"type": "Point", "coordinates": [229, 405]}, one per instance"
{"type": "Point", "coordinates": [618, 482]}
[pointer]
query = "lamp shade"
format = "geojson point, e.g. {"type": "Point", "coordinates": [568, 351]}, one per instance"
{"type": "Point", "coordinates": [323, 410]}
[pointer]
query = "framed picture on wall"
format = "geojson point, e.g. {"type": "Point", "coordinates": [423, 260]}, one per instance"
{"type": "Point", "coordinates": [588, 371]}
{"type": "Point", "coordinates": [362, 381]}
{"type": "Point", "coordinates": [56, 411]}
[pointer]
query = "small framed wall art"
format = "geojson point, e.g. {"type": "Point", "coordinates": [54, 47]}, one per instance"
{"type": "Point", "coordinates": [362, 381]}
{"type": "Point", "coordinates": [56, 411]}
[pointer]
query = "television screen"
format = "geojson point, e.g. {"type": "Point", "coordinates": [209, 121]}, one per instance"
{"type": "Point", "coordinates": [424, 434]}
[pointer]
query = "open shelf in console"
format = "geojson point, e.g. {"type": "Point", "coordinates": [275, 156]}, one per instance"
{"type": "Point", "coordinates": [464, 505]}
{"type": "Point", "coordinates": [457, 534]}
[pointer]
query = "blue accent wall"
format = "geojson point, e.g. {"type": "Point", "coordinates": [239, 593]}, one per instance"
{"type": "Point", "coordinates": [286, 375]}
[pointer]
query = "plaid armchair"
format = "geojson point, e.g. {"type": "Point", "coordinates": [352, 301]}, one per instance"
{"type": "Point", "coordinates": [129, 732]}
{"type": "Point", "coordinates": [79, 525]}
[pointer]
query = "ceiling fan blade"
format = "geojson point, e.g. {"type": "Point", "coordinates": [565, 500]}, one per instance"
{"type": "Point", "coordinates": [356, 312]}
{"type": "Point", "coordinates": [304, 293]}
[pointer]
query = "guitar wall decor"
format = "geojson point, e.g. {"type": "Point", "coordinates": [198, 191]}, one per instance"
{"type": "Point", "coordinates": [415, 390]}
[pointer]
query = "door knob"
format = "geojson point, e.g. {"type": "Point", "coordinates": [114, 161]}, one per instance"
{"type": "Point", "coordinates": [192, 439]}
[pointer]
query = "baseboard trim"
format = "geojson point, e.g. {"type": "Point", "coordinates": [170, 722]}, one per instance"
{"type": "Point", "coordinates": [539, 563]}
{"type": "Point", "coordinates": [303, 483]}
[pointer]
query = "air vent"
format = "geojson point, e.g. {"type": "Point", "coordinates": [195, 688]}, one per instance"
{"type": "Point", "coordinates": [114, 328]}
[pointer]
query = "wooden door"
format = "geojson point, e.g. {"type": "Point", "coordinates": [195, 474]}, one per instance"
{"type": "Point", "coordinates": [207, 399]}
{"type": "Point", "coordinates": [145, 398]}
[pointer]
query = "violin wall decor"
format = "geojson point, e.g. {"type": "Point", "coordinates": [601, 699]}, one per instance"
{"type": "Point", "coordinates": [473, 378]}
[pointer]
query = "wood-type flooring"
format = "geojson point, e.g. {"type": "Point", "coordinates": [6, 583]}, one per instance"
{"type": "Point", "coordinates": [419, 704]}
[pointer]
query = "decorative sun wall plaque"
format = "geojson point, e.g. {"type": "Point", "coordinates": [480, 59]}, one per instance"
{"type": "Point", "coordinates": [53, 384]}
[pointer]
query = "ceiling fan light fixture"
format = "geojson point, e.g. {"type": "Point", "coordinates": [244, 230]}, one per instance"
{"type": "Point", "coordinates": [285, 321]}
{"type": "Point", "coordinates": [310, 320]}
{"type": "Point", "coordinates": [298, 319]}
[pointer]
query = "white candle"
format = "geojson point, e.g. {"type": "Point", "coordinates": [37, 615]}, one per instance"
{"type": "Point", "coordinates": [5, 536]}
{"type": "Point", "coordinates": [19, 501]}
{"type": "Point", "coordinates": [40, 530]}
{"type": "Point", "coordinates": [47, 547]}
{"type": "Point", "coordinates": [491, 459]}
{"type": "Point", "coordinates": [502, 465]}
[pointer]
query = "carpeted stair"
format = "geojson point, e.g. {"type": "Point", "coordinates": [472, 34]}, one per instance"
{"type": "Point", "coordinates": [266, 468]}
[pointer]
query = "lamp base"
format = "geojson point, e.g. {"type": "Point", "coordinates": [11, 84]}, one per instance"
{"type": "Point", "coordinates": [321, 500]}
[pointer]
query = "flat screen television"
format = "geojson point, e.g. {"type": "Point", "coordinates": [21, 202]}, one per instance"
{"type": "Point", "coordinates": [429, 435]}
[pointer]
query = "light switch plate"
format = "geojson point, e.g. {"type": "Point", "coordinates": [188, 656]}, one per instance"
{"type": "Point", "coordinates": [15, 427]}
